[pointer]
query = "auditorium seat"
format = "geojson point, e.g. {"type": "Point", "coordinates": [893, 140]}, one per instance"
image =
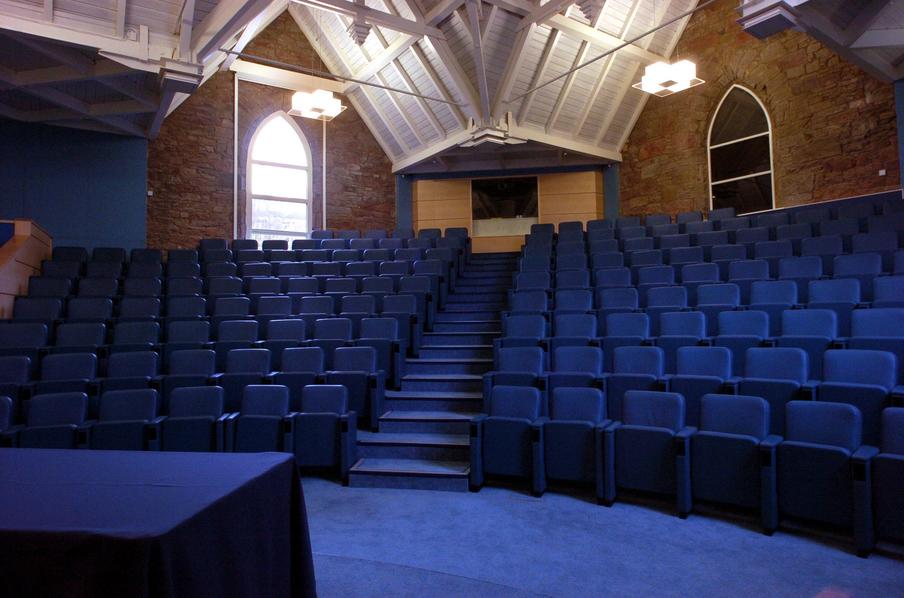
{"type": "Point", "coordinates": [633, 368]}
{"type": "Point", "coordinates": [777, 375]}
{"type": "Point", "coordinates": [821, 465]}
{"type": "Point", "coordinates": [132, 370]}
{"type": "Point", "coordinates": [186, 368]}
{"type": "Point", "coordinates": [700, 371]}
{"type": "Point", "coordinates": [576, 367]}
{"type": "Point", "coordinates": [841, 296]}
{"type": "Point", "coordinates": [52, 422]}
{"type": "Point", "coordinates": [679, 329]}
{"type": "Point", "coordinates": [242, 367]}
{"type": "Point", "coordinates": [356, 369]}
{"type": "Point", "coordinates": [195, 423]}
{"type": "Point", "coordinates": [508, 439]}
{"type": "Point", "coordinates": [517, 366]}
{"type": "Point", "coordinates": [66, 373]}
{"type": "Point", "coordinates": [813, 330]}
{"type": "Point", "coordinates": [733, 456]}
{"type": "Point", "coordinates": [888, 477]}
{"type": "Point", "coordinates": [739, 331]}
{"type": "Point", "coordinates": [324, 430]}
{"type": "Point", "coordinates": [260, 426]}
{"type": "Point", "coordinates": [573, 438]}
{"type": "Point", "coordinates": [126, 420]}
{"type": "Point", "coordinates": [879, 329]}
{"type": "Point", "coordinates": [649, 448]}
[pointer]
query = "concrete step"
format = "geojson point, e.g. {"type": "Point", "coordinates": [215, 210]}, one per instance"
{"type": "Point", "coordinates": [490, 325]}
{"type": "Point", "coordinates": [446, 365]}
{"type": "Point", "coordinates": [468, 276]}
{"type": "Point", "coordinates": [476, 306]}
{"type": "Point", "coordinates": [437, 422]}
{"type": "Point", "coordinates": [433, 400]}
{"type": "Point", "coordinates": [494, 297]}
{"type": "Point", "coordinates": [415, 474]}
{"type": "Point", "coordinates": [458, 316]}
{"type": "Point", "coordinates": [443, 382]}
{"type": "Point", "coordinates": [394, 445]}
{"type": "Point", "coordinates": [484, 288]}
{"type": "Point", "coordinates": [459, 338]}
{"type": "Point", "coordinates": [483, 281]}
{"type": "Point", "coordinates": [456, 351]}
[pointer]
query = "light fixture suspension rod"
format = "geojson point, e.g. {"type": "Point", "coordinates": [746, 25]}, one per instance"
{"type": "Point", "coordinates": [613, 50]}
{"type": "Point", "coordinates": [307, 71]}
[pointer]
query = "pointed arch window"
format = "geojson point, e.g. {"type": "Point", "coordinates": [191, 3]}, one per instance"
{"type": "Point", "coordinates": [279, 181]}
{"type": "Point", "coordinates": [740, 154]}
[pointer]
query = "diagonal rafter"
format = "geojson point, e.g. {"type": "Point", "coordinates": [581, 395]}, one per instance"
{"type": "Point", "coordinates": [479, 63]}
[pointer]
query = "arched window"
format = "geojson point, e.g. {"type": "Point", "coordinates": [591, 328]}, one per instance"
{"type": "Point", "coordinates": [740, 154]}
{"type": "Point", "coordinates": [279, 181]}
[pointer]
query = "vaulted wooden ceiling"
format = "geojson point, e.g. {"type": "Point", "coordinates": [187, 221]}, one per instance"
{"type": "Point", "coordinates": [123, 65]}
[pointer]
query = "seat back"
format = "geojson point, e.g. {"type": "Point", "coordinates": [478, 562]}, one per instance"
{"type": "Point", "coordinates": [784, 363]}
{"type": "Point", "coordinates": [286, 330]}
{"type": "Point", "coordinates": [810, 322]}
{"type": "Point", "coordinates": [24, 334]}
{"type": "Point", "coordinates": [880, 322]}
{"type": "Point", "coordinates": [818, 422]}
{"type": "Point", "coordinates": [735, 414]}
{"type": "Point", "coordinates": [748, 269]}
{"type": "Point", "coordinates": [521, 359]}
{"type": "Point", "coordinates": [667, 297]}
{"type": "Point", "coordinates": [893, 430]}
{"type": "Point", "coordinates": [333, 328]}
{"type": "Point", "coordinates": [69, 366]}
{"type": "Point", "coordinates": [744, 323]}
{"type": "Point", "coordinates": [303, 359]}
{"type": "Point", "coordinates": [582, 404]}
{"type": "Point", "coordinates": [188, 332]}
{"type": "Point", "coordinates": [324, 398]}
{"type": "Point", "coordinates": [781, 292]}
{"type": "Point", "coordinates": [860, 366]}
{"type": "Point", "coordinates": [192, 362]}
{"type": "Point", "coordinates": [719, 294]}
{"type": "Point", "coordinates": [526, 326]}
{"type": "Point", "coordinates": [125, 405]}
{"type": "Point", "coordinates": [265, 399]}
{"type": "Point", "coordinates": [576, 325]}
{"type": "Point", "coordinates": [74, 335]}
{"type": "Point", "coordinates": [521, 402]}
{"type": "Point", "coordinates": [682, 323]}
{"type": "Point", "coordinates": [574, 299]}
{"type": "Point", "coordinates": [704, 361]}
{"type": "Point", "coordinates": [386, 328]}
{"type": "Point", "coordinates": [632, 324]}
{"type": "Point", "coordinates": [131, 364]}
{"type": "Point", "coordinates": [237, 330]}
{"type": "Point", "coordinates": [653, 409]}
{"type": "Point", "coordinates": [579, 359]}
{"type": "Point", "coordinates": [841, 290]}
{"type": "Point", "coordinates": [355, 359]}
{"type": "Point", "coordinates": [15, 369]}
{"type": "Point", "coordinates": [136, 333]}
{"type": "Point", "coordinates": [248, 361]}
{"type": "Point", "coordinates": [57, 409]}
{"type": "Point", "coordinates": [196, 401]}
{"type": "Point", "coordinates": [639, 360]}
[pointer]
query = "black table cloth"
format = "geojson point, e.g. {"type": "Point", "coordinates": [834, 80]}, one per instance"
{"type": "Point", "coordinates": [131, 524]}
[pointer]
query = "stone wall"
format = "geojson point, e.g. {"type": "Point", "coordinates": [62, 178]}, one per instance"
{"type": "Point", "coordinates": [834, 125]}
{"type": "Point", "coordinates": [190, 164]}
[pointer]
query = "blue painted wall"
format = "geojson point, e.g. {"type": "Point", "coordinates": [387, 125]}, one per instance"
{"type": "Point", "coordinates": [82, 187]}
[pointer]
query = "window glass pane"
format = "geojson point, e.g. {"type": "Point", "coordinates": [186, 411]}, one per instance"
{"type": "Point", "coordinates": [279, 182]}
{"type": "Point", "coordinates": [278, 142]}
{"type": "Point", "coordinates": [745, 195]}
{"type": "Point", "coordinates": [738, 159]}
{"type": "Point", "coordinates": [739, 116]}
{"type": "Point", "coordinates": [258, 236]}
{"type": "Point", "coordinates": [279, 215]}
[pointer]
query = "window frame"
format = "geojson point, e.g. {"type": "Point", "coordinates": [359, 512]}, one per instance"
{"type": "Point", "coordinates": [249, 183]}
{"type": "Point", "coordinates": [710, 147]}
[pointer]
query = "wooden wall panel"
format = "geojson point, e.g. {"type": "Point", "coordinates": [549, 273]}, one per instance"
{"type": "Point", "coordinates": [442, 204]}
{"type": "Point", "coordinates": [570, 196]}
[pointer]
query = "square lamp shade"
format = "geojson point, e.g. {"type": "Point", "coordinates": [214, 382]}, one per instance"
{"type": "Point", "coordinates": [663, 79]}
{"type": "Point", "coordinates": [319, 105]}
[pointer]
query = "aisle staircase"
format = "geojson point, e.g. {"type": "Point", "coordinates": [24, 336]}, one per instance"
{"type": "Point", "coordinates": [423, 438]}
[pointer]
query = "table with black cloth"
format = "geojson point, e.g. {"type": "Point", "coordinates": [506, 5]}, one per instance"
{"type": "Point", "coordinates": [132, 524]}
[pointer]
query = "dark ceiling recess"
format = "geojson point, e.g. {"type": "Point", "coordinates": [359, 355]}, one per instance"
{"type": "Point", "coordinates": [504, 198]}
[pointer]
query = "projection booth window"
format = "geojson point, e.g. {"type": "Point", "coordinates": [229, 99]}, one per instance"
{"type": "Point", "coordinates": [740, 154]}
{"type": "Point", "coordinates": [279, 181]}
{"type": "Point", "coordinates": [503, 207]}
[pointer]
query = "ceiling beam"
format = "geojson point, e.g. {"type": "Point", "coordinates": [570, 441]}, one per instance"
{"type": "Point", "coordinates": [518, 7]}
{"type": "Point", "coordinates": [103, 68]}
{"type": "Point", "coordinates": [373, 17]}
{"type": "Point", "coordinates": [512, 70]}
{"type": "Point", "coordinates": [460, 82]}
{"type": "Point", "coordinates": [403, 112]}
{"type": "Point", "coordinates": [421, 102]}
{"type": "Point", "coordinates": [579, 58]}
{"type": "Point", "coordinates": [869, 13]}
{"type": "Point", "coordinates": [380, 61]}
{"type": "Point", "coordinates": [120, 29]}
{"type": "Point", "coordinates": [566, 142]}
{"type": "Point", "coordinates": [543, 12]}
{"type": "Point", "coordinates": [450, 141]}
{"type": "Point", "coordinates": [438, 83]}
{"type": "Point", "coordinates": [551, 42]}
{"type": "Point", "coordinates": [879, 38]}
{"type": "Point", "coordinates": [487, 23]}
{"type": "Point", "coordinates": [186, 22]}
{"type": "Point", "coordinates": [620, 95]}
{"type": "Point", "coordinates": [222, 24]}
{"type": "Point", "coordinates": [441, 11]}
{"type": "Point", "coordinates": [479, 63]}
{"type": "Point", "coordinates": [600, 38]}
{"type": "Point", "coordinates": [255, 26]}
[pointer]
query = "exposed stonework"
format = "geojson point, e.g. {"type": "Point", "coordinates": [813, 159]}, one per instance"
{"type": "Point", "coordinates": [190, 164]}
{"type": "Point", "coordinates": [833, 124]}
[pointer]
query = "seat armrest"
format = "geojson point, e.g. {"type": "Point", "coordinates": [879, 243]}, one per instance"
{"type": "Point", "coordinates": [215, 379]}
{"type": "Point", "coordinates": [840, 343]}
{"type": "Point", "coordinates": [9, 437]}
{"type": "Point", "coordinates": [613, 426]}
{"type": "Point", "coordinates": [666, 381]}
{"type": "Point", "coordinates": [685, 433]}
{"type": "Point", "coordinates": [603, 425]}
{"type": "Point", "coordinates": [897, 396]}
{"type": "Point", "coordinates": [706, 341]}
{"type": "Point", "coordinates": [83, 434]}
{"type": "Point", "coordinates": [864, 454]}
{"type": "Point", "coordinates": [730, 385]}
{"type": "Point", "coordinates": [808, 390]}
{"type": "Point", "coordinates": [770, 442]}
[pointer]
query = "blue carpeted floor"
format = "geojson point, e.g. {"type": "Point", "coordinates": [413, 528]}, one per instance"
{"type": "Point", "coordinates": [500, 542]}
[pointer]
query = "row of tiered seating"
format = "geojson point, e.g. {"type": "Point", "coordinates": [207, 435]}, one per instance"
{"type": "Point", "coordinates": [108, 341]}
{"type": "Point", "coordinates": [645, 356]}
